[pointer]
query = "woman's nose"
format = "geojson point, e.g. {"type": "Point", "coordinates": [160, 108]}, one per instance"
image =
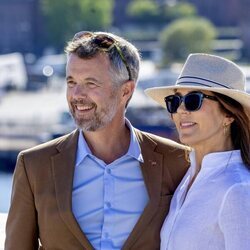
{"type": "Point", "coordinates": [182, 108]}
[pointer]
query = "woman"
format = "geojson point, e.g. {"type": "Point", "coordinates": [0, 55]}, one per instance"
{"type": "Point", "coordinates": [210, 108]}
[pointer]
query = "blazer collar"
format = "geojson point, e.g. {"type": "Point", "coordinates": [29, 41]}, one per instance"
{"type": "Point", "coordinates": [63, 165]}
{"type": "Point", "coordinates": [152, 173]}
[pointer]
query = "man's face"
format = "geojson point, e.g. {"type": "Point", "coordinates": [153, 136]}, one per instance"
{"type": "Point", "coordinates": [92, 98]}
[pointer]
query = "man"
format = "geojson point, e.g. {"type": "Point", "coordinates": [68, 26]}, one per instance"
{"type": "Point", "coordinates": [106, 185]}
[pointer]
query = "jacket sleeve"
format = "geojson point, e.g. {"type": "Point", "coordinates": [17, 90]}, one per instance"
{"type": "Point", "coordinates": [21, 227]}
{"type": "Point", "coordinates": [234, 217]}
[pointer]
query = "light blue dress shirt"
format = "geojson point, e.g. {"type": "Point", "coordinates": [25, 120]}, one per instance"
{"type": "Point", "coordinates": [108, 199]}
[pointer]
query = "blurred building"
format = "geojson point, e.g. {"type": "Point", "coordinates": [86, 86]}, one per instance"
{"type": "Point", "coordinates": [228, 13]}
{"type": "Point", "coordinates": [20, 26]}
{"type": "Point", "coordinates": [221, 13]}
{"type": "Point", "coordinates": [120, 14]}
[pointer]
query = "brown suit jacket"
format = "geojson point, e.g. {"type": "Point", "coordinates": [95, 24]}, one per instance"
{"type": "Point", "coordinates": [40, 212]}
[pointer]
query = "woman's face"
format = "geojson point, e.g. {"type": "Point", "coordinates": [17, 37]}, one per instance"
{"type": "Point", "coordinates": [202, 128]}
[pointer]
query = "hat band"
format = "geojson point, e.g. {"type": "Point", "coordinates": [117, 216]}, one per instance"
{"type": "Point", "coordinates": [190, 80]}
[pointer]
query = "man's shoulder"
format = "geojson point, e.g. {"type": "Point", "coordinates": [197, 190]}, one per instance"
{"type": "Point", "coordinates": [161, 142]}
{"type": "Point", "coordinates": [51, 145]}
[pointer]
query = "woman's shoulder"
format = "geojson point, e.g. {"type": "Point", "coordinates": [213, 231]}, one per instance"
{"type": "Point", "coordinates": [236, 199]}
{"type": "Point", "coordinates": [237, 189]}
{"type": "Point", "coordinates": [234, 180]}
{"type": "Point", "coordinates": [239, 173]}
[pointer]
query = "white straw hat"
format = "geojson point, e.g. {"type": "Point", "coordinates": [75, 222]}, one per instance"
{"type": "Point", "coordinates": [207, 72]}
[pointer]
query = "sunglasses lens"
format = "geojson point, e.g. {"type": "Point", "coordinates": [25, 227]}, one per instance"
{"type": "Point", "coordinates": [103, 42]}
{"type": "Point", "coordinates": [172, 103]}
{"type": "Point", "coordinates": [193, 101]}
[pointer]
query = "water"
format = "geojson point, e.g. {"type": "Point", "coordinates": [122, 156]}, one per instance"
{"type": "Point", "coordinates": [5, 191]}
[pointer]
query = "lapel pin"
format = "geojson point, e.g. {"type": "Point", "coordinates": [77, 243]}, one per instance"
{"type": "Point", "coordinates": [153, 163]}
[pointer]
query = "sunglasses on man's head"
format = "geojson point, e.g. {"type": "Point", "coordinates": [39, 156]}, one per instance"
{"type": "Point", "coordinates": [192, 101]}
{"type": "Point", "coordinates": [104, 43]}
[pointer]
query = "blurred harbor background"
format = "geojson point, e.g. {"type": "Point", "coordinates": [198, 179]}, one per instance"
{"type": "Point", "coordinates": [33, 106]}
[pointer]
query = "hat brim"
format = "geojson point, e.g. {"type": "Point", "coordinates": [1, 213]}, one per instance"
{"type": "Point", "coordinates": [159, 93]}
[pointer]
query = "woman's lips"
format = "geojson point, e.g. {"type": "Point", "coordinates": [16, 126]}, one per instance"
{"type": "Point", "coordinates": [187, 124]}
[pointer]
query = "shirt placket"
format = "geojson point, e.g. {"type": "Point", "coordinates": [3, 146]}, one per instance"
{"type": "Point", "coordinates": [108, 218]}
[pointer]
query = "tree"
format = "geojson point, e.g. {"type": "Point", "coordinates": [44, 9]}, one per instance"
{"type": "Point", "coordinates": [179, 10]}
{"type": "Point", "coordinates": [66, 17]}
{"type": "Point", "coordinates": [151, 12]}
{"type": "Point", "coordinates": [185, 36]}
{"type": "Point", "coordinates": [143, 11]}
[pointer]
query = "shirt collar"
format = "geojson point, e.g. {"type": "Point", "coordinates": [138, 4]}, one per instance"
{"type": "Point", "coordinates": [134, 149]}
{"type": "Point", "coordinates": [218, 159]}
{"type": "Point", "coordinates": [82, 149]}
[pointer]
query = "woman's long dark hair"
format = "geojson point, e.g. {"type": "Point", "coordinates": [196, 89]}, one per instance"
{"type": "Point", "coordinates": [240, 128]}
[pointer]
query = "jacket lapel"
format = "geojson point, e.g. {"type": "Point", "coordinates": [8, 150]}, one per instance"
{"type": "Point", "coordinates": [152, 173]}
{"type": "Point", "coordinates": [63, 165]}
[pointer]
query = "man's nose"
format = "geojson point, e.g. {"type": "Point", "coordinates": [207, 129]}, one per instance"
{"type": "Point", "coordinates": [80, 91]}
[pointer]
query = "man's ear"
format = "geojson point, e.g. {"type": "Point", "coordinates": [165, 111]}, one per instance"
{"type": "Point", "coordinates": [128, 90]}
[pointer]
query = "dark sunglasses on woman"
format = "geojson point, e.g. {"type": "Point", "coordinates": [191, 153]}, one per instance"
{"type": "Point", "coordinates": [192, 101]}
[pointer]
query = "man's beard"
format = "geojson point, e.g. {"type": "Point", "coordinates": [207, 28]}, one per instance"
{"type": "Point", "coordinates": [100, 118]}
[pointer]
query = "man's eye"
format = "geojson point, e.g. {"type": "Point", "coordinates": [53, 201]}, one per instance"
{"type": "Point", "coordinates": [71, 84]}
{"type": "Point", "coordinates": [92, 84]}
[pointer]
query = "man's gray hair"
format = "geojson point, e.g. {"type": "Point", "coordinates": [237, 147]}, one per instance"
{"type": "Point", "coordinates": [85, 48]}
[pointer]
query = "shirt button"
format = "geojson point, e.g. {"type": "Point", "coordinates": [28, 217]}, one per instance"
{"type": "Point", "coordinates": [106, 235]}
{"type": "Point", "coordinates": [109, 171]}
{"type": "Point", "coordinates": [108, 204]}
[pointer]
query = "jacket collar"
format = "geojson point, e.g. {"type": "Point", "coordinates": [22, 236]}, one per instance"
{"type": "Point", "coordinates": [63, 172]}
{"type": "Point", "coordinates": [152, 173]}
